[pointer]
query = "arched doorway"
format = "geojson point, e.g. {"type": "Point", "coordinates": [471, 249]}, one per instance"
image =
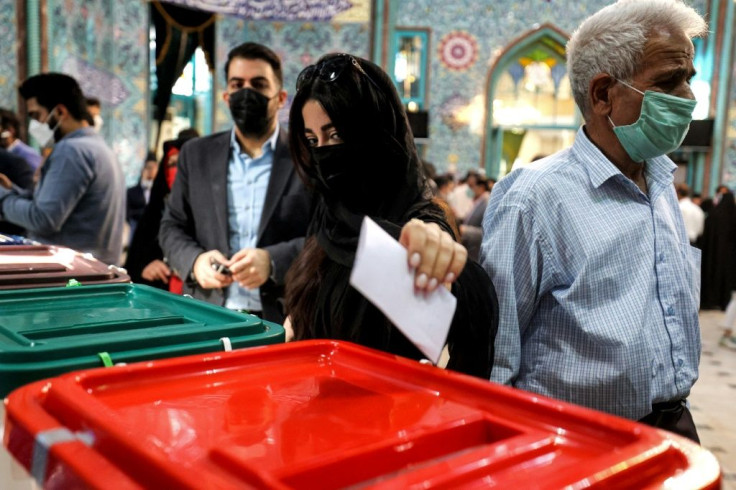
{"type": "Point", "coordinates": [530, 110]}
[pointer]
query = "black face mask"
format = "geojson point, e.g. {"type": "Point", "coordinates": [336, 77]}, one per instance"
{"type": "Point", "coordinates": [250, 112]}
{"type": "Point", "coordinates": [344, 174]}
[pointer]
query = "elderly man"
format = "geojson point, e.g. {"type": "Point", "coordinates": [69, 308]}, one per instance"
{"type": "Point", "coordinates": [597, 281]}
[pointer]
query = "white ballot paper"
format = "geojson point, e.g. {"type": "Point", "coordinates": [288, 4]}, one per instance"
{"type": "Point", "coordinates": [382, 274]}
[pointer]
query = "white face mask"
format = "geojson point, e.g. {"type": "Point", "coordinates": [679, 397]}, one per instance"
{"type": "Point", "coordinates": [98, 122]}
{"type": "Point", "coordinates": [41, 131]}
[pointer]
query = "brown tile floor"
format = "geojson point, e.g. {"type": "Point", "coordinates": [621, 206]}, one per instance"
{"type": "Point", "coordinates": [713, 398]}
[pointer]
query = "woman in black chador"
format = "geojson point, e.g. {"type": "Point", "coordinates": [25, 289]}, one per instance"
{"type": "Point", "coordinates": [351, 143]}
{"type": "Point", "coordinates": [719, 253]}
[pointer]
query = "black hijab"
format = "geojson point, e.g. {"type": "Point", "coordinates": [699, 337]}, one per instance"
{"type": "Point", "coordinates": [363, 105]}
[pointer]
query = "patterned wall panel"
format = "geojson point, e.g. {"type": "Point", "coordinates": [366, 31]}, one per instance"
{"type": "Point", "coordinates": [492, 25]}
{"type": "Point", "coordinates": [104, 45]}
{"type": "Point", "coordinates": [729, 156]}
{"type": "Point", "coordinates": [8, 58]}
{"type": "Point", "coordinates": [298, 44]}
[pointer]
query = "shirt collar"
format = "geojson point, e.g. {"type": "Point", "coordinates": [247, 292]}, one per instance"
{"type": "Point", "coordinates": [270, 143]}
{"type": "Point", "coordinates": [87, 131]}
{"type": "Point", "coordinates": [600, 168]}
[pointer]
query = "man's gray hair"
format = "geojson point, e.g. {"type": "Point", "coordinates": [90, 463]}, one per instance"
{"type": "Point", "coordinates": [613, 39]}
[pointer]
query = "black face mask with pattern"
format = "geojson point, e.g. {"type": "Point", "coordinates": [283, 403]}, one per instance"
{"type": "Point", "coordinates": [249, 109]}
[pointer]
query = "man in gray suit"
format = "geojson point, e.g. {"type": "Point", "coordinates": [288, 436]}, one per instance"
{"type": "Point", "coordinates": [238, 212]}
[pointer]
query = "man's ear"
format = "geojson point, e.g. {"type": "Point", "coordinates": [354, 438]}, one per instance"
{"type": "Point", "coordinates": [599, 94]}
{"type": "Point", "coordinates": [283, 96]}
{"type": "Point", "coordinates": [61, 112]}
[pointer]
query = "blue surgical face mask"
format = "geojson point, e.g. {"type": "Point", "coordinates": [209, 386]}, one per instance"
{"type": "Point", "coordinates": [661, 127]}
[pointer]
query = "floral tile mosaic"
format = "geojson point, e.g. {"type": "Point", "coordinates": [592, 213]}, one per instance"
{"type": "Point", "coordinates": [493, 25]}
{"type": "Point", "coordinates": [105, 42]}
{"type": "Point", "coordinates": [8, 58]}
{"type": "Point", "coordinates": [105, 46]}
{"type": "Point", "coordinates": [297, 43]}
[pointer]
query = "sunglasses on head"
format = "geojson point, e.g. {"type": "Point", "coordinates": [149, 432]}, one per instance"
{"type": "Point", "coordinates": [330, 70]}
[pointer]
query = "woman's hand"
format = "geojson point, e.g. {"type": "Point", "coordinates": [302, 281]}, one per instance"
{"type": "Point", "coordinates": [288, 330]}
{"type": "Point", "coordinates": [438, 259]}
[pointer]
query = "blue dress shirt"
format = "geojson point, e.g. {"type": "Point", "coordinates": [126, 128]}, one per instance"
{"type": "Point", "coordinates": [597, 283]}
{"type": "Point", "coordinates": [247, 183]}
{"type": "Point", "coordinates": [79, 201]}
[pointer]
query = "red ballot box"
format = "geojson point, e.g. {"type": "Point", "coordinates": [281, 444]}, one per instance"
{"type": "Point", "coordinates": [326, 414]}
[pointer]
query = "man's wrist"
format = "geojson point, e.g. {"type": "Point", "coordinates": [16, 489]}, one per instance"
{"type": "Point", "coordinates": [272, 274]}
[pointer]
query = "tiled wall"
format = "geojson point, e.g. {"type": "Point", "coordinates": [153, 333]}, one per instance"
{"type": "Point", "coordinates": [105, 46]}
{"type": "Point", "coordinates": [493, 25]}
{"type": "Point", "coordinates": [298, 44]}
{"type": "Point", "coordinates": [729, 155]}
{"type": "Point", "coordinates": [8, 58]}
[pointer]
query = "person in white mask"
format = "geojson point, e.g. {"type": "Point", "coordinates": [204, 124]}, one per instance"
{"type": "Point", "coordinates": [10, 139]}
{"type": "Point", "coordinates": [95, 111]}
{"type": "Point", "coordinates": [139, 194]}
{"type": "Point", "coordinates": [79, 201]}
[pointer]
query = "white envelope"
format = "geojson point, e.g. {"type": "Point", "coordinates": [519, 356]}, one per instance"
{"type": "Point", "coordinates": [382, 274]}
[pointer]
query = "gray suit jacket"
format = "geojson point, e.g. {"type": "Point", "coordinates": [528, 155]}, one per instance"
{"type": "Point", "coordinates": [196, 218]}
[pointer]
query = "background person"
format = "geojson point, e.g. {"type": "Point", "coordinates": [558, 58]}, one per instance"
{"type": "Point", "coordinates": [471, 231]}
{"type": "Point", "coordinates": [79, 201]}
{"type": "Point", "coordinates": [719, 252]}
{"type": "Point", "coordinates": [137, 196]}
{"type": "Point", "coordinates": [10, 140]}
{"type": "Point", "coordinates": [14, 171]}
{"type": "Point", "coordinates": [145, 260]}
{"type": "Point", "coordinates": [692, 214]}
{"type": "Point", "coordinates": [94, 108]}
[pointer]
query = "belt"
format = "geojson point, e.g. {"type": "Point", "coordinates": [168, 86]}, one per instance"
{"type": "Point", "coordinates": [667, 407]}
{"type": "Point", "coordinates": [257, 313]}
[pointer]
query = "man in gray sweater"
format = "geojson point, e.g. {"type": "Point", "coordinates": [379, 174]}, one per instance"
{"type": "Point", "coordinates": [80, 198]}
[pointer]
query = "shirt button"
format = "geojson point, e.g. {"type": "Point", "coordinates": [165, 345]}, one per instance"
{"type": "Point", "coordinates": [680, 362]}
{"type": "Point", "coordinates": [661, 257]}
{"type": "Point", "coordinates": [670, 310]}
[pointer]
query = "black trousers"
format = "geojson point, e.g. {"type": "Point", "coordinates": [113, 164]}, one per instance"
{"type": "Point", "coordinates": [673, 416]}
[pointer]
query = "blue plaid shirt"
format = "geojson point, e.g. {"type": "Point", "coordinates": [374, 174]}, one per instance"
{"type": "Point", "coordinates": [597, 283]}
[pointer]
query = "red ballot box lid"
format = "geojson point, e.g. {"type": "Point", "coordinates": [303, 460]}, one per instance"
{"type": "Point", "coordinates": [326, 414]}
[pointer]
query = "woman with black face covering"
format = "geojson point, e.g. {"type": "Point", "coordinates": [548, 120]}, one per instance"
{"type": "Point", "coordinates": [351, 143]}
